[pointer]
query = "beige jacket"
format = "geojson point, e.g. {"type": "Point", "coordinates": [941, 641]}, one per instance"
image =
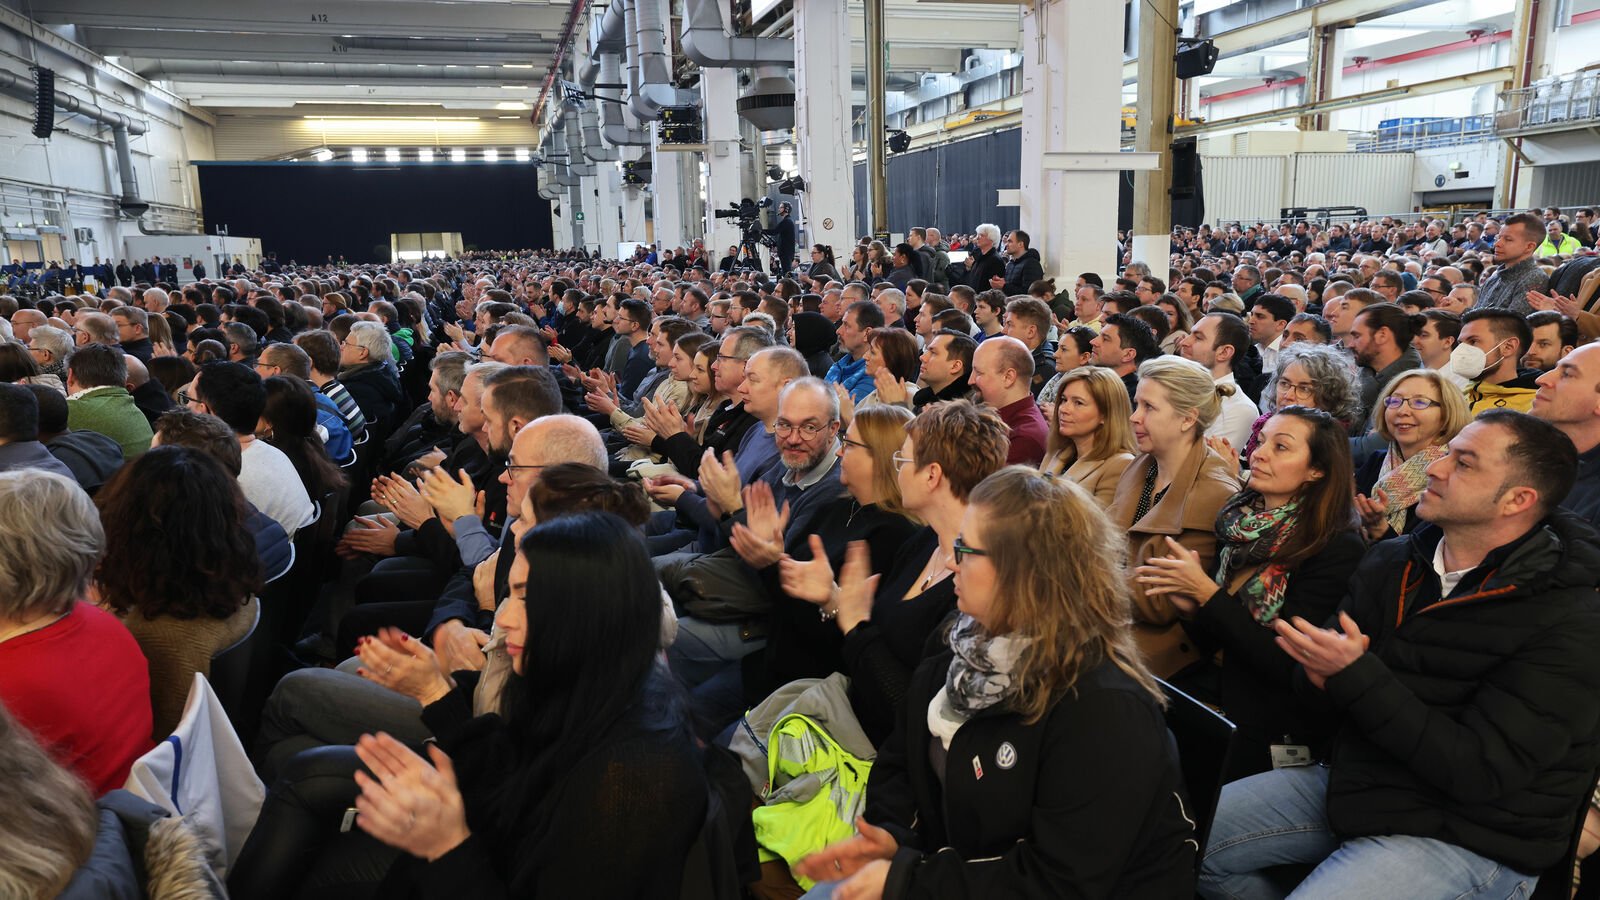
{"type": "Point", "coordinates": [1187, 513]}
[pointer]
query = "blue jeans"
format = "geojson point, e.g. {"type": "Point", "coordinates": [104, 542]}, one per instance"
{"type": "Point", "coordinates": [1279, 818]}
{"type": "Point", "coordinates": [703, 649]}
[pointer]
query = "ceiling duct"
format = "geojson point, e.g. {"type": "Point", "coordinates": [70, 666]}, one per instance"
{"type": "Point", "coordinates": [121, 126]}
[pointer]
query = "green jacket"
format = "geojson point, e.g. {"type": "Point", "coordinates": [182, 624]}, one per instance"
{"type": "Point", "coordinates": [110, 411]}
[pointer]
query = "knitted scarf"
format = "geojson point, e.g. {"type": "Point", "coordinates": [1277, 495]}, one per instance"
{"type": "Point", "coordinates": [1252, 536]}
{"type": "Point", "coordinates": [979, 676]}
{"type": "Point", "coordinates": [1404, 482]}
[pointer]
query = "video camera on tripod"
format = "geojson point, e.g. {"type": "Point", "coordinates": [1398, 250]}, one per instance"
{"type": "Point", "coordinates": [747, 213]}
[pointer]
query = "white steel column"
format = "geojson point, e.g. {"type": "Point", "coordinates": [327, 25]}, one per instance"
{"type": "Point", "coordinates": [667, 185]}
{"type": "Point", "coordinates": [633, 222]}
{"type": "Point", "coordinates": [719, 92]}
{"type": "Point", "coordinates": [822, 124]}
{"type": "Point", "coordinates": [1072, 94]}
{"type": "Point", "coordinates": [561, 223]}
{"type": "Point", "coordinates": [607, 225]}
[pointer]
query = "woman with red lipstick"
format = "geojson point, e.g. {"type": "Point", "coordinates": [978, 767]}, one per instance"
{"type": "Point", "coordinates": [591, 764]}
{"type": "Point", "coordinates": [1418, 413]}
{"type": "Point", "coordinates": [1288, 542]}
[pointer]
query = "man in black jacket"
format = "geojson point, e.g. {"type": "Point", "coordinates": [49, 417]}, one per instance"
{"type": "Point", "coordinates": [783, 254]}
{"type": "Point", "coordinates": [1022, 265]}
{"type": "Point", "coordinates": [1463, 665]}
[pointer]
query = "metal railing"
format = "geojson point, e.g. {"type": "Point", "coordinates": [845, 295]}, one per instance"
{"type": "Point", "coordinates": [1425, 134]}
{"type": "Point", "coordinates": [1574, 97]}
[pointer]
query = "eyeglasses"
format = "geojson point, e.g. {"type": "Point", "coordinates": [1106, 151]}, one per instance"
{"type": "Point", "coordinates": [962, 548]}
{"type": "Point", "coordinates": [1300, 390]}
{"type": "Point", "coordinates": [849, 443]}
{"type": "Point", "coordinates": [1416, 402]}
{"type": "Point", "coordinates": [723, 357]}
{"type": "Point", "coordinates": [186, 398]}
{"type": "Point", "coordinates": [512, 467]}
{"type": "Point", "coordinates": [808, 431]}
{"type": "Point", "coordinates": [900, 462]}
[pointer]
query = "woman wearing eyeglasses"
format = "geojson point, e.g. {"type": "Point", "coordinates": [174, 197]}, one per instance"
{"type": "Point", "coordinates": [1316, 375]}
{"type": "Point", "coordinates": [1419, 412]}
{"type": "Point", "coordinates": [1286, 545]}
{"type": "Point", "coordinates": [1030, 757]}
{"type": "Point", "coordinates": [948, 448]}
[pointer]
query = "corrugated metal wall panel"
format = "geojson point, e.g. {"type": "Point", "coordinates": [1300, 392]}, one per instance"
{"type": "Point", "coordinates": [1574, 184]}
{"type": "Point", "coordinates": [253, 137]}
{"type": "Point", "coordinates": [1381, 182]}
{"type": "Point", "coordinates": [1243, 187]}
{"type": "Point", "coordinates": [952, 186]}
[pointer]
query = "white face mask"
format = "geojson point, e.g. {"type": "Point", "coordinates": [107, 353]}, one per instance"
{"type": "Point", "coordinates": [1469, 362]}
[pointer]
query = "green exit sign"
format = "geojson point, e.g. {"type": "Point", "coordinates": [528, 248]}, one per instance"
{"type": "Point", "coordinates": [579, 215]}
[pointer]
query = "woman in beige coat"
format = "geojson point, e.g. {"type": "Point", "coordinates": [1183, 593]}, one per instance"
{"type": "Point", "coordinates": [1174, 488]}
{"type": "Point", "coordinates": [1091, 441]}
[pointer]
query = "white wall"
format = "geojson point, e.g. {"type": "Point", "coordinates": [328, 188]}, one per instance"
{"type": "Point", "coordinates": [72, 177]}
{"type": "Point", "coordinates": [1251, 188]}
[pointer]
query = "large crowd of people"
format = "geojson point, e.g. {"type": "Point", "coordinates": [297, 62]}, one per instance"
{"type": "Point", "coordinates": [872, 577]}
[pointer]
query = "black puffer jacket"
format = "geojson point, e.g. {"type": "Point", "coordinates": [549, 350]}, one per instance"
{"type": "Point", "coordinates": [1472, 719]}
{"type": "Point", "coordinates": [1022, 272]}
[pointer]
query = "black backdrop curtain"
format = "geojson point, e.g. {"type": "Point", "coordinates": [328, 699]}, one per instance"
{"type": "Point", "coordinates": [308, 211]}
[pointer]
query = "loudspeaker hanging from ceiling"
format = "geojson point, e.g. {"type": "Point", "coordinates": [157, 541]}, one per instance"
{"type": "Point", "coordinates": [44, 102]}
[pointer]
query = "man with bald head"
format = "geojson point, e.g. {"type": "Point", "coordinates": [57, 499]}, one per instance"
{"type": "Point", "coordinates": [1002, 373]}
{"type": "Point", "coordinates": [23, 321]}
{"type": "Point", "coordinates": [149, 395]}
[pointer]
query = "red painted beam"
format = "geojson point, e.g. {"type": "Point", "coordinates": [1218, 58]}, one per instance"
{"type": "Point", "coordinates": [1452, 47]}
{"type": "Point", "coordinates": [573, 15]}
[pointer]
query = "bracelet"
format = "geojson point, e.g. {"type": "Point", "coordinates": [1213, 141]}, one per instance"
{"type": "Point", "coordinates": [830, 609]}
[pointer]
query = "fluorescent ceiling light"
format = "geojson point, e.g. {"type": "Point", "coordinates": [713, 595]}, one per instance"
{"type": "Point", "coordinates": [358, 154]}
{"type": "Point", "coordinates": [458, 155]}
{"type": "Point", "coordinates": [516, 65]}
{"type": "Point", "coordinates": [491, 155]}
{"type": "Point", "coordinates": [322, 155]}
{"type": "Point", "coordinates": [513, 87]}
{"type": "Point", "coordinates": [391, 155]}
{"type": "Point", "coordinates": [521, 153]}
{"type": "Point", "coordinates": [511, 105]}
{"type": "Point", "coordinates": [425, 154]}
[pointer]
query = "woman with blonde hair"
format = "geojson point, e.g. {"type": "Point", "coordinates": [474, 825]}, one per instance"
{"type": "Point", "coordinates": [48, 822]}
{"type": "Point", "coordinates": [1417, 413]}
{"type": "Point", "coordinates": [1175, 487]}
{"type": "Point", "coordinates": [1091, 442]}
{"type": "Point", "coordinates": [992, 784]}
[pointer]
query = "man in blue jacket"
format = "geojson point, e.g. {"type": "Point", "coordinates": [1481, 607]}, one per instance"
{"type": "Point", "coordinates": [1463, 666]}
{"type": "Point", "coordinates": [851, 369]}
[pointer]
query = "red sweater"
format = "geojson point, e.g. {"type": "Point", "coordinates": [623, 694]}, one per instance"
{"type": "Point", "coordinates": [82, 687]}
{"type": "Point", "coordinates": [1028, 432]}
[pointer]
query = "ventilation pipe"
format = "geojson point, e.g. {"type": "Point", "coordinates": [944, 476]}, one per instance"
{"type": "Point", "coordinates": [576, 165]}
{"type": "Point", "coordinates": [706, 41]}
{"type": "Point", "coordinates": [655, 90]}
{"type": "Point", "coordinates": [121, 126]}
{"type": "Point", "coordinates": [616, 128]}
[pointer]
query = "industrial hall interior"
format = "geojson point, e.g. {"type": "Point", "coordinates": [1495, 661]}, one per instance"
{"type": "Point", "coordinates": [799, 449]}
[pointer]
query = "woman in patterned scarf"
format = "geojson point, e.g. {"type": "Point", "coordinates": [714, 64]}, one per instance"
{"type": "Point", "coordinates": [1419, 412]}
{"type": "Point", "coordinates": [1288, 542]}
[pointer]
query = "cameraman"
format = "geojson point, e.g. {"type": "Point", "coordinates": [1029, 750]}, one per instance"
{"type": "Point", "coordinates": [783, 232]}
